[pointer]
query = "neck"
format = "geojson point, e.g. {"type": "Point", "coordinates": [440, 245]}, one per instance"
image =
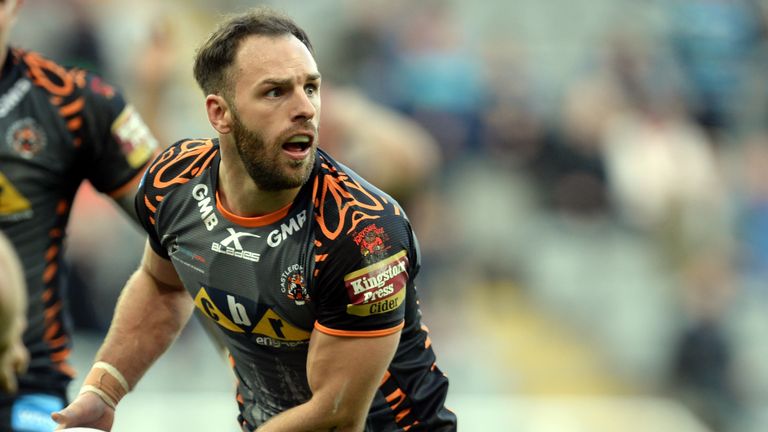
{"type": "Point", "coordinates": [3, 55]}
{"type": "Point", "coordinates": [242, 196]}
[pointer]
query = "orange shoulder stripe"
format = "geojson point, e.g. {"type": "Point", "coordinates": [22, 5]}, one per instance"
{"type": "Point", "coordinates": [363, 333]}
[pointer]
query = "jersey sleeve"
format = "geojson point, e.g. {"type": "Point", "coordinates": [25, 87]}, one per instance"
{"type": "Point", "coordinates": [175, 166]}
{"type": "Point", "coordinates": [146, 207]}
{"type": "Point", "coordinates": [116, 142]}
{"type": "Point", "coordinates": [361, 290]}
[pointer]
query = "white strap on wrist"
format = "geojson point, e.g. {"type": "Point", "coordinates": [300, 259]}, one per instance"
{"type": "Point", "coordinates": [100, 393]}
{"type": "Point", "coordinates": [115, 373]}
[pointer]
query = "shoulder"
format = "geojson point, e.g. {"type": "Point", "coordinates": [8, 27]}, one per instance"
{"type": "Point", "coordinates": [177, 165]}
{"type": "Point", "coordinates": [78, 96]}
{"type": "Point", "coordinates": [58, 80]}
{"type": "Point", "coordinates": [345, 202]}
{"type": "Point", "coordinates": [182, 161]}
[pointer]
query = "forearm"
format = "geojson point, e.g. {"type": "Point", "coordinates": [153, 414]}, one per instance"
{"type": "Point", "coordinates": [150, 313]}
{"type": "Point", "coordinates": [148, 318]}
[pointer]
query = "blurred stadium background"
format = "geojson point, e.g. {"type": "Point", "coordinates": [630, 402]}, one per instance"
{"type": "Point", "coordinates": [588, 179]}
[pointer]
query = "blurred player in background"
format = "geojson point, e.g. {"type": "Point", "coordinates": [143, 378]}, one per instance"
{"type": "Point", "coordinates": [307, 269]}
{"type": "Point", "coordinates": [58, 127]}
{"type": "Point", "coordinates": [13, 305]}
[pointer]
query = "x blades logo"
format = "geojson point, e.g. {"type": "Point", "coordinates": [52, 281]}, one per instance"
{"type": "Point", "coordinates": [236, 249]}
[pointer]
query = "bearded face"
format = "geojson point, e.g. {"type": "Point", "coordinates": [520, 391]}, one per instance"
{"type": "Point", "coordinates": [265, 162]}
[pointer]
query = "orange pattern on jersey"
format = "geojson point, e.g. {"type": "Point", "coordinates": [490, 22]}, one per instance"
{"type": "Point", "coordinates": [54, 334]}
{"type": "Point", "coordinates": [61, 83]}
{"type": "Point", "coordinates": [177, 165]}
{"type": "Point", "coordinates": [49, 75]}
{"type": "Point", "coordinates": [72, 108]}
{"type": "Point", "coordinates": [194, 155]}
{"type": "Point", "coordinates": [398, 402]}
{"type": "Point", "coordinates": [353, 202]}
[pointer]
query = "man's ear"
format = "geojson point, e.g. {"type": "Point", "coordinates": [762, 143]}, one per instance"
{"type": "Point", "coordinates": [219, 113]}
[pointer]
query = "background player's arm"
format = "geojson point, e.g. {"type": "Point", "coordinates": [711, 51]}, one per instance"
{"type": "Point", "coordinates": [13, 305]}
{"type": "Point", "coordinates": [150, 314]}
{"type": "Point", "coordinates": [125, 200]}
{"type": "Point", "coordinates": [343, 373]}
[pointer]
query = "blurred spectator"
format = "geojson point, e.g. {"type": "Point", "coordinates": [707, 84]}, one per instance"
{"type": "Point", "coordinates": [702, 373]}
{"type": "Point", "coordinates": [570, 168]}
{"type": "Point", "coordinates": [716, 43]}
{"type": "Point", "coordinates": [390, 150]}
{"type": "Point", "coordinates": [439, 78]}
{"type": "Point", "coordinates": [752, 208]}
{"type": "Point", "coordinates": [367, 52]}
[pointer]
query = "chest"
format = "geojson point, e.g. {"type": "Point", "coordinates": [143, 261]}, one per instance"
{"type": "Point", "coordinates": [249, 279]}
{"type": "Point", "coordinates": [37, 152]}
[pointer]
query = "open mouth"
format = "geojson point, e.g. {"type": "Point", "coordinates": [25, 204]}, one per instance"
{"type": "Point", "coordinates": [298, 145]}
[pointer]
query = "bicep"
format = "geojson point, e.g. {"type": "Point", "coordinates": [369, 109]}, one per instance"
{"type": "Point", "coordinates": [160, 269]}
{"type": "Point", "coordinates": [344, 372]}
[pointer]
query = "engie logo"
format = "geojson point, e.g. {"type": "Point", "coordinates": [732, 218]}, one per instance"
{"type": "Point", "coordinates": [231, 246]}
{"type": "Point", "coordinates": [378, 288]}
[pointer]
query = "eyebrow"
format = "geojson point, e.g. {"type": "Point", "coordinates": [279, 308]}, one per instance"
{"type": "Point", "coordinates": [286, 82]}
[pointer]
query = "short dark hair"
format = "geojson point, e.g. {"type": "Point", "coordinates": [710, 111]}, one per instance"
{"type": "Point", "coordinates": [217, 54]}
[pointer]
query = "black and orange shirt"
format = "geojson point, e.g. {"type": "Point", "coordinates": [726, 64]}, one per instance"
{"type": "Point", "coordinates": [340, 259]}
{"type": "Point", "coordinates": [58, 127]}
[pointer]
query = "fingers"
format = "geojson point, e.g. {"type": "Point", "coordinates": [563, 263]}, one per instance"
{"type": "Point", "coordinates": [60, 418]}
{"type": "Point", "coordinates": [8, 382]}
{"type": "Point", "coordinates": [14, 362]}
{"type": "Point", "coordinates": [20, 358]}
{"type": "Point", "coordinates": [87, 410]}
{"type": "Point", "coordinates": [8, 375]}
{"type": "Point", "coordinates": [73, 414]}
{"type": "Point", "coordinates": [66, 416]}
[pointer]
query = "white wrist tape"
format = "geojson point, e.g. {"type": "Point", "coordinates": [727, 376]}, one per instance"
{"type": "Point", "coordinates": [104, 396]}
{"type": "Point", "coordinates": [115, 373]}
{"type": "Point", "coordinates": [107, 382]}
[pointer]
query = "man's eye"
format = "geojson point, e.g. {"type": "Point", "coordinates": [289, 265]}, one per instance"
{"type": "Point", "coordinates": [311, 89]}
{"type": "Point", "coordinates": [275, 92]}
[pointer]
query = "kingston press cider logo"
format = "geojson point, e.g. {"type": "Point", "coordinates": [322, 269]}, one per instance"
{"type": "Point", "coordinates": [378, 288]}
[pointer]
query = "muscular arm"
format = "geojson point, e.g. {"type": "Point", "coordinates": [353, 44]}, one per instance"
{"type": "Point", "coordinates": [343, 373]}
{"type": "Point", "coordinates": [150, 313]}
{"type": "Point", "coordinates": [126, 202]}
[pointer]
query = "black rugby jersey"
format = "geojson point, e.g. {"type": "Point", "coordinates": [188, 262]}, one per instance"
{"type": "Point", "coordinates": [341, 259]}
{"type": "Point", "coordinates": [58, 127]}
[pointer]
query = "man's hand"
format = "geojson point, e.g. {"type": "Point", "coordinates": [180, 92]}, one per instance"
{"type": "Point", "coordinates": [88, 410]}
{"type": "Point", "coordinates": [13, 361]}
